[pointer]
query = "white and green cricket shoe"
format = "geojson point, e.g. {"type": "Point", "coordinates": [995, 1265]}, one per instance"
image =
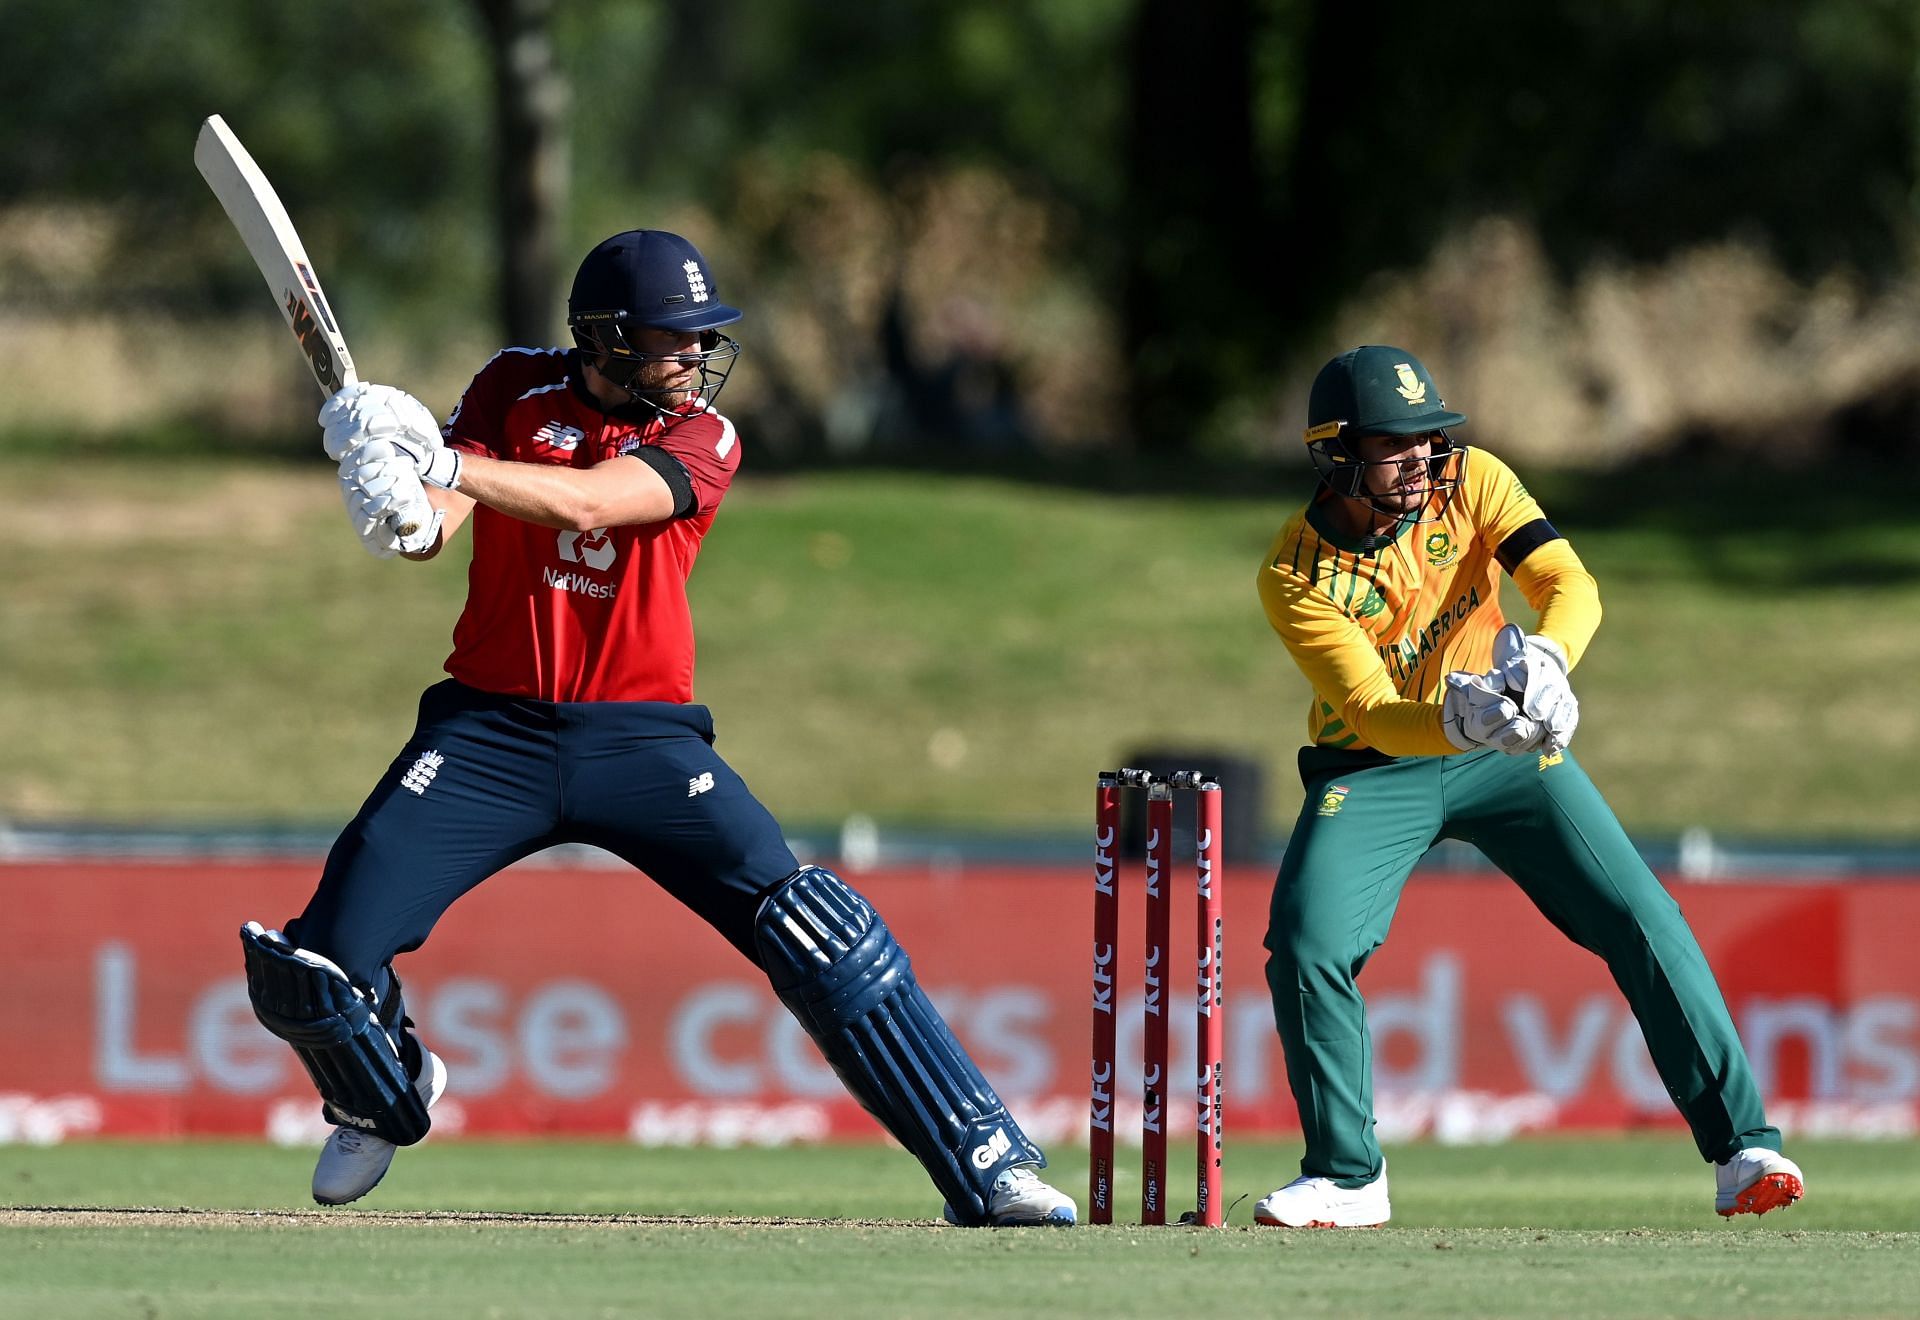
{"type": "Point", "coordinates": [353, 1162]}
{"type": "Point", "coordinates": [1320, 1203]}
{"type": "Point", "coordinates": [1020, 1199]}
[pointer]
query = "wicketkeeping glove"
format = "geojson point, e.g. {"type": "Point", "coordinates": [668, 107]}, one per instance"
{"type": "Point", "coordinates": [1476, 713]}
{"type": "Point", "coordinates": [1532, 670]}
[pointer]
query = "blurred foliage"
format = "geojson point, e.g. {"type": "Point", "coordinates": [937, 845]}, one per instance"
{"type": "Point", "coordinates": [1629, 129]}
{"type": "Point", "coordinates": [1012, 225]}
{"type": "Point", "coordinates": [371, 116]}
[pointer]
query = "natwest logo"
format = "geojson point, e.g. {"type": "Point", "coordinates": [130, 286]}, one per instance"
{"type": "Point", "coordinates": [594, 549]}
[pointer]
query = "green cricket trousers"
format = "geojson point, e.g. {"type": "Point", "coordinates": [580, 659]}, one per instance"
{"type": "Point", "coordinates": [1368, 819]}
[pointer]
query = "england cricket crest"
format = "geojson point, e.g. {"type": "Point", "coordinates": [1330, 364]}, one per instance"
{"type": "Point", "coordinates": [696, 280]}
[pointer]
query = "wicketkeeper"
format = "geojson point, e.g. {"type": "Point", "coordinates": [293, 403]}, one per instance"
{"type": "Point", "coordinates": [1432, 718]}
{"type": "Point", "coordinates": [592, 476]}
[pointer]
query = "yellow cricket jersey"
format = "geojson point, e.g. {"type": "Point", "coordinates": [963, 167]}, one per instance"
{"type": "Point", "coordinates": [1376, 630]}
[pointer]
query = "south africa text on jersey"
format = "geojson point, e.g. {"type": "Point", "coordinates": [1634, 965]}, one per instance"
{"type": "Point", "coordinates": [1409, 653]}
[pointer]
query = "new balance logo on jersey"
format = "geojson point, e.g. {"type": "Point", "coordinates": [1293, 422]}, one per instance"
{"type": "Point", "coordinates": [696, 281]}
{"type": "Point", "coordinates": [558, 435]}
{"type": "Point", "coordinates": [992, 1149]}
{"type": "Point", "coordinates": [700, 783]}
{"type": "Point", "coordinates": [425, 767]}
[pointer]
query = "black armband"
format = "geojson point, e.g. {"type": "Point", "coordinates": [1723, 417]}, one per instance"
{"type": "Point", "coordinates": [1524, 542]}
{"type": "Point", "coordinates": [674, 473]}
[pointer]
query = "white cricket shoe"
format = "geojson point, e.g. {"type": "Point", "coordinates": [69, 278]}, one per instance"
{"type": "Point", "coordinates": [353, 1162]}
{"type": "Point", "coordinates": [1020, 1198]}
{"type": "Point", "coordinates": [1319, 1203]}
{"type": "Point", "coordinates": [1755, 1181]}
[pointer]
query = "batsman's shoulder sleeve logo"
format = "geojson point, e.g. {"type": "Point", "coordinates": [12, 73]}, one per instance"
{"type": "Point", "coordinates": [1370, 604]}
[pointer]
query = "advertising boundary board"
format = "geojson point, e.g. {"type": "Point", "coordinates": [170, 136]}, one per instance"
{"type": "Point", "coordinates": [582, 1001]}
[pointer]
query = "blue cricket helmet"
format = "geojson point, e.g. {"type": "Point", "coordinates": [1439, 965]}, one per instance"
{"type": "Point", "coordinates": [650, 279]}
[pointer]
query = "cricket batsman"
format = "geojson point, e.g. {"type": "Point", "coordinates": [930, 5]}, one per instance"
{"type": "Point", "coordinates": [591, 476]}
{"type": "Point", "coordinates": [1432, 718]}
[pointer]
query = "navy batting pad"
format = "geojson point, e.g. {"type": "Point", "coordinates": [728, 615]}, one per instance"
{"type": "Point", "coordinates": [309, 1003]}
{"type": "Point", "coordinates": [839, 970]}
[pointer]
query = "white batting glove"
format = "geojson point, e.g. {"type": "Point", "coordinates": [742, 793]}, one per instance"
{"type": "Point", "coordinates": [1533, 672]}
{"type": "Point", "coordinates": [367, 515]}
{"type": "Point", "coordinates": [1476, 713]}
{"type": "Point", "coordinates": [364, 412]}
{"type": "Point", "coordinates": [381, 498]}
{"type": "Point", "coordinates": [435, 465]}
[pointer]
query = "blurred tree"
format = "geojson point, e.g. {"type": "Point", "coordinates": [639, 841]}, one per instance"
{"type": "Point", "coordinates": [359, 112]}
{"type": "Point", "coordinates": [1225, 174]}
{"type": "Point", "coordinates": [1197, 281]}
{"type": "Point", "coordinates": [783, 122]}
{"type": "Point", "coordinates": [530, 164]}
{"type": "Point", "coordinates": [1629, 129]}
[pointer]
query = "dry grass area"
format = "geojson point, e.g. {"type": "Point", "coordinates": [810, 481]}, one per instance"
{"type": "Point", "coordinates": [201, 640]}
{"type": "Point", "coordinates": [247, 505]}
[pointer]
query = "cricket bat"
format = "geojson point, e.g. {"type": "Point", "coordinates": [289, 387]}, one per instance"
{"type": "Point", "coordinates": [263, 224]}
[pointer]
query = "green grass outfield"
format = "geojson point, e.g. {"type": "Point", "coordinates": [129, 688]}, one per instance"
{"type": "Point", "coordinates": [1543, 1227]}
{"type": "Point", "coordinates": [202, 641]}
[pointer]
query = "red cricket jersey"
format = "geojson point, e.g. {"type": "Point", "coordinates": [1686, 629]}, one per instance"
{"type": "Point", "coordinates": [579, 616]}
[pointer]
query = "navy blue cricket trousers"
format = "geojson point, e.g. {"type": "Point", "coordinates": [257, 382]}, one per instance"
{"type": "Point", "coordinates": [487, 780]}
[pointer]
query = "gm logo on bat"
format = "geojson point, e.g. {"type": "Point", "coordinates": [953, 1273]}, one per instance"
{"type": "Point", "coordinates": [312, 342]}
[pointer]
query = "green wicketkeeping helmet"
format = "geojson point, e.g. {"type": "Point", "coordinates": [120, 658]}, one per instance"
{"type": "Point", "coordinates": [1377, 390]}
